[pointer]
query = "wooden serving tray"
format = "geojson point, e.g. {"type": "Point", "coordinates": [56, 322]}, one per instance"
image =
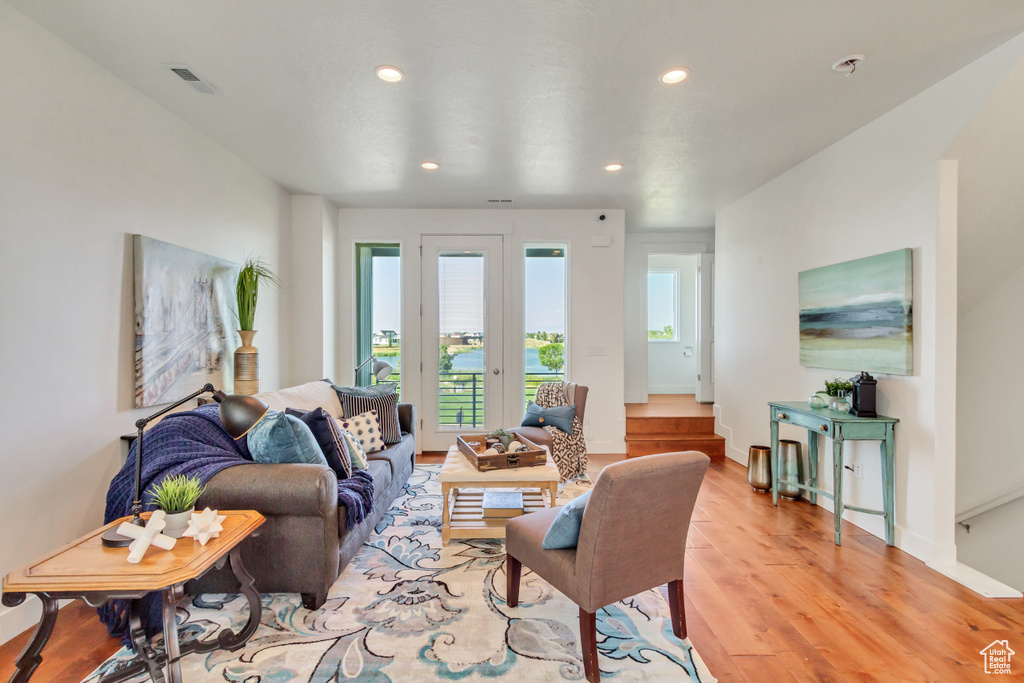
{"type": "Point", "coordinates": [474, 445]}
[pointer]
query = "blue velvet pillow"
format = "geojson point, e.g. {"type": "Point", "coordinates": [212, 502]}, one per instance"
{"type": "Point", "coordinates": [560, 417]}
{"type": "Point", "coordinates": [564, 531]}
{"type": "Point", "coordinates": [280, 438]}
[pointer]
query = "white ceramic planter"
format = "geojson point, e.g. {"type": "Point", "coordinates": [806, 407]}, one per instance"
{"type": "Point", "coordinates": [177, 523]}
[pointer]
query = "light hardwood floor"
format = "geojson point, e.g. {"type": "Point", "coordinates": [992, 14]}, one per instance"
{"type": "Point", "coordinates": [769, 597]}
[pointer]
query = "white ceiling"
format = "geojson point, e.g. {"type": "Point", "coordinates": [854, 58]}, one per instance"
{"type": "Point", "coordinates": [529, 99]}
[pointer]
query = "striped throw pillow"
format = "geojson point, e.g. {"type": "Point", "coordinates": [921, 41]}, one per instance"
{"type": "Point", "coordinates": [380, 398]}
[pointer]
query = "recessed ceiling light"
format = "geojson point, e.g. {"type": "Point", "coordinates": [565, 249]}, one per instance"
{"type": "Point", "coordinates": [390, 74]}
{"type": "Point", "coordinates": [847, 65]}
{"type": "Point", "coordinates": [430, 165]}
{"type": "Point", "coordinates": [613, 167]}
{"type": "Point", "coordinates": [673, 76]}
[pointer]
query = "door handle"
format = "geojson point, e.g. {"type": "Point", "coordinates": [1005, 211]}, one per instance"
{"type": "Point", "coordinates": [496, 371]}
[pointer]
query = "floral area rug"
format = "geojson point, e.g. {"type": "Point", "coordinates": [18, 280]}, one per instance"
{"type": "Point", "coordinates": [408, 609]}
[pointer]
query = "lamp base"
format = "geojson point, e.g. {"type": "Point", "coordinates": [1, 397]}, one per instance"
{"type": "Point", "coordinates": [112, 539]}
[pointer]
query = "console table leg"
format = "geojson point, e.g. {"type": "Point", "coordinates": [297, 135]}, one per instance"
{"type": "Point", "coordinates": [889, 484]}
{"type": "Point", "coordinates": [775, 462]}
{"type": "Point", "coordinates": [812, 462]}
{"type": "Point", "coordinates": [837, 485]}
{"type": "Point", "coordinates": [31, 657]}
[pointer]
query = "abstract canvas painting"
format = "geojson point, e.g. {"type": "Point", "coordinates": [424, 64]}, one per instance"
{"type": "Point", "coordinates": [183, 321]}
{"type": "Point", "coordinates": [857, 315]}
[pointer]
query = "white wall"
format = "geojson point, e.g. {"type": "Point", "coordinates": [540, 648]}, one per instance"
{"type": "Point", "coordinates": [990, 365]}
{"type": "Point", "coordinates": [640, 245]}
{"type": "Point", "coordinates": [595, 285]}
{"type": "Point", "coordinates": [669, 370]}
{"type": "Point", "coordinates": [874, 191]}
{"type": "Point", "coordinates": [312, 303]}
{"type": "Point", "coordinates": [85, 161]}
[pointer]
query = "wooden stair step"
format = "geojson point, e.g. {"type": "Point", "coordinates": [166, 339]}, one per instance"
{"type": "Point", "coordinates": [665, 425]}
{"type": "Point", "coordinates": [712, 446]}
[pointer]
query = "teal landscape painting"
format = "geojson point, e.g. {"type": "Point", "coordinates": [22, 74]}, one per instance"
{"type": "Point", "coordinates": [857, 315]}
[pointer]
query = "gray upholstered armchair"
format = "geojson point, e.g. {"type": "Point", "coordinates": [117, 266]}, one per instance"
{"type": "Point", "coordinates": [633, 538]}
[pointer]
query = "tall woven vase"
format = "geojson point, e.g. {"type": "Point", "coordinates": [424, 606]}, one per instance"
{"type": "Point", "coordinates": [247, 365]}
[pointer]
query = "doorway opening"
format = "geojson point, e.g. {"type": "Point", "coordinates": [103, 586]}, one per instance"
{"type": "Point", "coordinates": [673, 324]}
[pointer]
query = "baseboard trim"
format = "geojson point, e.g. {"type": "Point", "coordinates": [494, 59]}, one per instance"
{"type": "Point", "coordinates": [725, 432]}
{"type": "Point", "coordinates": [982, 584]}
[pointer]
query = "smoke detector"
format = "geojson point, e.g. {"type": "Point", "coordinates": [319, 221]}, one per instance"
{"type": "Point", "coordinates": [847, 65]}
{"type": "Point", "coordinates": [186, 74]}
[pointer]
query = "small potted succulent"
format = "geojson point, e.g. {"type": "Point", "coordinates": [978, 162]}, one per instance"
{"type": "Point", "coordinates": [177, 496]}
{"type": "Point", "coordinates": [505, 438]}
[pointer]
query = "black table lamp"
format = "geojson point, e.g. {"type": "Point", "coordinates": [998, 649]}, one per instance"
{"type": "Point", "coordinates": [238, 414]}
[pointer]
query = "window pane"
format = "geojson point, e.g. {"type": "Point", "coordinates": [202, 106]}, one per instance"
{"type": "Point", "coordinates": [545, 316]}
{"type": "Point", "coordinates": [379, 315]}
{"type": "Point", "coordinates": [662, 307]}
{"type": "Point", "coordinates": [461, 347]}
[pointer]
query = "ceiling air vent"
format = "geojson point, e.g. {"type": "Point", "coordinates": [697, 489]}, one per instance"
{"type": "Point", "coordinates": [499, 201]}
{"type": "Point", "coordinates": [184, 73]}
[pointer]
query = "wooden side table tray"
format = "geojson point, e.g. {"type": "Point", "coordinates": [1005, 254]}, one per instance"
{"type": "Point", "coordinates": [86, 569]}
{"type": "Point", "coordinates": [462, 516]}
{"type": "Point", "coordinates": [840, 427]}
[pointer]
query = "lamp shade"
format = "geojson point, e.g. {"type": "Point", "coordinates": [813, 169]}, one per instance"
{"type": "Point", "coordinates": [239, 413]}
{"type": "Point", "coordinates": [381, 369]}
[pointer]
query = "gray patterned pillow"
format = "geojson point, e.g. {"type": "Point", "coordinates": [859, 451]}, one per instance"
{"type": "Point", "coordinates": [380, 398]}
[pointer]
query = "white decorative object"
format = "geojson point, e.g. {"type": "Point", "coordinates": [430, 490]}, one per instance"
{"type": "Point", "coordinates": [145, 536]}
{"type": "Point", "coordinates": [491, 451]}
{"type": "Point", "coordinates": [205, 525]}
{"type": "Point", "coordinates": [514, 446]}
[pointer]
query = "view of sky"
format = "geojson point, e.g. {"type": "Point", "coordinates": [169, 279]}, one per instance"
{"type": "Point", "coordinates": [661, 299]}
{"type": "Point", "coordinates": [462, 302]}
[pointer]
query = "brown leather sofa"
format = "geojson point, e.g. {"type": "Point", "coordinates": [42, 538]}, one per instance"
{"type": "Point", "coordinates": [304, 544]}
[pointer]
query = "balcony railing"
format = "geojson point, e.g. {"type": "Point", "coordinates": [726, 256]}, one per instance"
{"type": "Point", "coordinates": [460, 396]}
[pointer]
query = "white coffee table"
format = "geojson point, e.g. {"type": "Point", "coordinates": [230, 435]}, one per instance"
{"type": "Point", "coordinates": [463, 484]}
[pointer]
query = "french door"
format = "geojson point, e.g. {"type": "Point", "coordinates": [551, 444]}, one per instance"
{"type": "Point", "coordinates": [462, 332]}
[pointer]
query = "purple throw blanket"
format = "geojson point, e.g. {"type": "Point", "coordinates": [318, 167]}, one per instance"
{"type": "Point", "coordinates": [194, 443]}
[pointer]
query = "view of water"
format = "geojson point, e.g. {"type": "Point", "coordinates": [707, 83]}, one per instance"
{"type": "Point", "coordinates": [473, 361]}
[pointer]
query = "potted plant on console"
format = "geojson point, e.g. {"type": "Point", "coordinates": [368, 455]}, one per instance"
{"type": "Point", "coordinates": [177, 496]}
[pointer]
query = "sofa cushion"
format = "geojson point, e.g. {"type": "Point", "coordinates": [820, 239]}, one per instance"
{"type": "Point", "coordinates": [381, 471]}
{"type": "Point", "coordinates": [356, 454]}
{"type": "Point", "coordinates": [366, 428]}
{"type": "Point", "coordinates": [306, 396]}
{"type": "Point", "coordinates": [328, 435]}
{"type": "Point", "coordinates": [399, 455]}
{"type": "Point", "coordinates": [281, 438]}
{"type": "Point", "coordinates": [381, 398]}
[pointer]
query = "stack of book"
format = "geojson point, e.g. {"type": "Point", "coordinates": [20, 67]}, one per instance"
{"type": "Point", "coordinates": [502, 504]}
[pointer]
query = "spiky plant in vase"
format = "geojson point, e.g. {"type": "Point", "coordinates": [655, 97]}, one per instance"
{"type": "Point", "coordinates": [177, 496]}
{"type": "Point", "coordinates": [254, 272]}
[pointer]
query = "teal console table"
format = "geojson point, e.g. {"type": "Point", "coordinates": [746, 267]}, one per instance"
{"type": "Point", "coordinates": [840, 427]}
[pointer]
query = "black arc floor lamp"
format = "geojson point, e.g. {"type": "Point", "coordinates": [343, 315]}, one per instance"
{"type": "Point", "coordinates": [238, 414]}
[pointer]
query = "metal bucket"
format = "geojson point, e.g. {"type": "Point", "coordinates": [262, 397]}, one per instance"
{"type": "Point", "coordinates": [759, 468]}
{"type": "Point", "coordinates": [791, 467]}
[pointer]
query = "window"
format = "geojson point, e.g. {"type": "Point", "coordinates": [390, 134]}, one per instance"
{"type": "Point", "coordinates": [545, 288]}
{"type": "Point", "coordinates": [379, 314]}
{"type": "Point", "coordinates": [662, 305]}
